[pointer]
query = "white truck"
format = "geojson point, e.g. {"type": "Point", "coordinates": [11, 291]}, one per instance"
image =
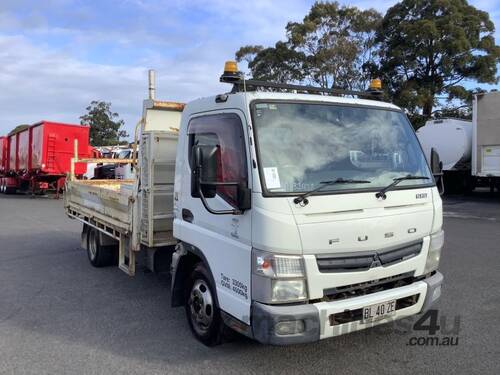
{"type": "Point", "coordinates": [125, 171]}
{"type": "Point", "coordinates": [469, 150]}
{"type": "Point", "coordinates": [294, 216]}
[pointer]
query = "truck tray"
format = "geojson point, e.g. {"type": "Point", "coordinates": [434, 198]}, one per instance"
{"type": "Point", "coordinates": [102, 199]}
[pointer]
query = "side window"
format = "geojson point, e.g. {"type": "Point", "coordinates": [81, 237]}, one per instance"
{"type": "Point", "coordinates": [226, 132]}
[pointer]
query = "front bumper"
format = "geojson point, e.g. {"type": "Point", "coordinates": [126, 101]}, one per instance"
{"type": "Point", "coordinates": [316, 317]}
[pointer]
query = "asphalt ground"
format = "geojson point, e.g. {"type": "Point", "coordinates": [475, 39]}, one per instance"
{"type": "Point", "coordinates": [59, 315]}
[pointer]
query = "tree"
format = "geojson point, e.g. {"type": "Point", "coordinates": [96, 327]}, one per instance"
{"type": "Point", "coordinates": [276, 64]}
{"type": "Point", "coordinates": [429, 47]}
{"type": "Point", "coordinates": [334, 46]}
{"type": "Point", "coordinates": [104, 124]}
{"type": "Point", "coordinates": [248, 53]}
{"type": "Point", "coordinates": [338, 42]}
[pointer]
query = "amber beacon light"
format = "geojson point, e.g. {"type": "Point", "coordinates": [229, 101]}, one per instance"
{"type": "Point", "coordinates": [376, 84]}
{"type": "Point", "coordinates": [231, 73]}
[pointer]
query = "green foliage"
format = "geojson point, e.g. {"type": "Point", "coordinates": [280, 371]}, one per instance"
{"type": "Point", "coordinates": [428, 47]}
{"type": "Point", "coordinates": [277, 64]}
{"type": "Point", "coordinates": [424, 51]}
{"type": "Point", "coordinates": [338, 43]}
{"type": "Point", "coordinates": [104, 124]}
{"type": "Point", "coordinates": [248, 53]}
{"type": "Point", "coordinates": [463, 112]}
{"type": "Point", "coordinates": [334, 46]}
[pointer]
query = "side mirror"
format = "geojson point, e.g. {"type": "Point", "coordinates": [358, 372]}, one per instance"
{"type": "Point", "coordinates": [437, 169]}
{"type": "Point", "coordinates": [436, 165]}
{"type": "Point", "coordinates": [204, 169]}
{"type": "Point", "coordinates": [244, 198]}
{"type": "Point", "coordinates": [204, 180]}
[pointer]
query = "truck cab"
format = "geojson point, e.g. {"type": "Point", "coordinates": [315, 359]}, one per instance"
{"type": "Point", "coordinates": [282, 199]}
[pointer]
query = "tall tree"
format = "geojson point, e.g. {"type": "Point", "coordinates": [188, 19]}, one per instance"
{"type": "Point", "coordinates": [104, 124]}
{"type": "Point", "coordinates": [334, 46]}
{"type": "Point", "coordinates": [429, 47]}
{"type": "Point", "coordinates": [338, 42]}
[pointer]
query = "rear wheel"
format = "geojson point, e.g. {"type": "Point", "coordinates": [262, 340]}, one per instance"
{"type": "Point", "coordinates": [202, 311]}
{"type": "Point", "coordinates": [99, 256]}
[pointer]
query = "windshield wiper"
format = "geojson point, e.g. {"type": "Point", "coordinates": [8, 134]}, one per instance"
{"type": "Point", "coordinates": [381, 193]}
{"type": "Point", "coordinates": [303, 197]}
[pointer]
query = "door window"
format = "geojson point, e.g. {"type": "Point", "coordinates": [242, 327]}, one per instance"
{"type": "Point", "coordinates": [225, 131]}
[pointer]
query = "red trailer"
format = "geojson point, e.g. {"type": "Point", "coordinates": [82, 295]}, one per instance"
{"type": "Point", "coordinates": [39, 157]}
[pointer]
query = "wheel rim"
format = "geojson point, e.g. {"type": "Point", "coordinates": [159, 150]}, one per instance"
{"type": "Point", "coordinates": [92, 245]}
{"type": "Point", "coordinates": [201, 307]}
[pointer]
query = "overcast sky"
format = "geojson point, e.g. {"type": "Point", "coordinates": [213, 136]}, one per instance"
{"type": "Point", "coordinates": [58, 55]}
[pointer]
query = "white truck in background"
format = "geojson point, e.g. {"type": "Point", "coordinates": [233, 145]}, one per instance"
{"type": "Point", "coordinates": [469, 150]}
{"type": "Point", "coordinates": [293, 216]}
{"type": "Point", "coordinates": [125, 171]}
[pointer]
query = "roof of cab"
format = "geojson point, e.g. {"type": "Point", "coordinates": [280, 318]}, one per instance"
{"type": "Point", "coordinates": [207, 103]}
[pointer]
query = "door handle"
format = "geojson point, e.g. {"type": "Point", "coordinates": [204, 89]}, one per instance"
{"type": "Point", "coordinates": [187, 215]}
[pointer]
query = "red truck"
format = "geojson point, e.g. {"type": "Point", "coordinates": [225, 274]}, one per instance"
{"type": "Point", "coordinates": [37, 158]}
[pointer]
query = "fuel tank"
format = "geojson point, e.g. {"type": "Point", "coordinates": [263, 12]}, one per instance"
{"type": "Point", "coordinates": [451, 138]}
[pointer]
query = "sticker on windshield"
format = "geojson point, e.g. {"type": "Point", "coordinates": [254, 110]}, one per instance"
{"type": "Point", "coordinates": [272, 178]}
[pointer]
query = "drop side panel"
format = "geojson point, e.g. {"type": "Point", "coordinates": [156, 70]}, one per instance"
{"type": "Point", "coordinates": [37, 156]}
{"type": "Point", "coordinates": [3, 154]}
{"type": "Point", "coordinates": [12, 152]}
{"type": "Point", "coordinates": [23, 150]}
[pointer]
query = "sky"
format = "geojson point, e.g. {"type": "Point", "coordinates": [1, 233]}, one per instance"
{"type": "Point", "coordinates": [56, 56]}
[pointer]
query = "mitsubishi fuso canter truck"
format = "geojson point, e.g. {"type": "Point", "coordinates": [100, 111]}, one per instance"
{"type": "Point", "coordinates": [287, 213]}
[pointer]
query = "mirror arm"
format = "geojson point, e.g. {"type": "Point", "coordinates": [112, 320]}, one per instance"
{"type": "Point", "coordinates": [212, 211]}
{"type": "Point", "coordinates": [441, 182]}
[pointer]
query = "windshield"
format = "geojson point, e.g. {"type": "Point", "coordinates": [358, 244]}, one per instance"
{"type": "Point", "coordinates": [125, 154]}
{"type": "Point", "coordinates": [301, 145]}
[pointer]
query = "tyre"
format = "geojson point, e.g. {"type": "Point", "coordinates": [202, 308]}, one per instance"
{"type": "Point", "coordinates": [99, 256]}
{"type": "Point", "coordinates": [202, 310]}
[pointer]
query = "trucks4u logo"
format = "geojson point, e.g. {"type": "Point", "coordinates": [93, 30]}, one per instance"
{"type": "Point", "coordinates": [430, 323]}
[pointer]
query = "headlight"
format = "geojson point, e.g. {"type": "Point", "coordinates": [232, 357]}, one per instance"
{"type": "Point", "coordinates": [434, 254]}
{"type": "Point", "coordinates": [278, 278]}
{"type": "Point", "coordinates": [288, 290]}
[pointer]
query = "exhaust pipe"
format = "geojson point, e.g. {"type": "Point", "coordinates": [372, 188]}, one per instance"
{"type": "Point", "coordinates": [152, 83]}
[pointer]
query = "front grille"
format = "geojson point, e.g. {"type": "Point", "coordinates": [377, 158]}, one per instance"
{"type": "Point", "coordinates": [364, 261]}
{"type": "Point", "coordinates": [369, 287]}
{"type": "Point", "coordinates": [356, 315]}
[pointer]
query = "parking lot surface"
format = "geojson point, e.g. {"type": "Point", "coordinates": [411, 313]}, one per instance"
{"type": "Point", "coordinates": [58, 315]}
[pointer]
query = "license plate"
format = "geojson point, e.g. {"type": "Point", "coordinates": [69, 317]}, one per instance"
{"type": "Point", "coordinates": [378, 311]}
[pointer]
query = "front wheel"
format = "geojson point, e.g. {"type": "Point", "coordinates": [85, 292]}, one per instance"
{"type": "Point", "coordinates": [202, 311]}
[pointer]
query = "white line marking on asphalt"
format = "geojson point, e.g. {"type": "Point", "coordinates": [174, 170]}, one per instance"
{"type": "Point", "coordinates": [458, 215]}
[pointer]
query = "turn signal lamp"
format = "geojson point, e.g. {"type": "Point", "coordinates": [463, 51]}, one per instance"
{"type": "Point", "coordinates": [231, 73]}
{"type": "Point", "coordinates": [376, 84]}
